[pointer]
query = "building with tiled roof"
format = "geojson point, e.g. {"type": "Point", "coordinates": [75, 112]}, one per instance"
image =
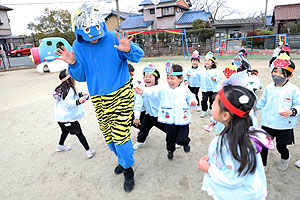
{"type": "Point", "coordinates": [168, 14]}
{"type": "Point", "coordinates": [285, 13]}
{"type": "Point", "coordinates": [111, 19]}
{"type": "Point", "coordinates": [187, 18]}
{"type": "Point", "coordinates": [234, 28]}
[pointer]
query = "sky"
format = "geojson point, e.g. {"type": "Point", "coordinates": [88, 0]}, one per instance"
{"type": "Point", "coordinates": [25, 11]}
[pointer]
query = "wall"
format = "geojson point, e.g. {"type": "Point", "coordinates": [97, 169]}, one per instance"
{"type": "Point", "coordinates": [4, 28]}
{"type": "Point", "coordinates": [112, 22]}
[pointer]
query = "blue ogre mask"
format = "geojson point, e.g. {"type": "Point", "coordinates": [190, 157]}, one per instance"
{"type": "Point", "coordinates": [89, 23]}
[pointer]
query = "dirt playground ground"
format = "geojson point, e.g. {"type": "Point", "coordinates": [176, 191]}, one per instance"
{"type": "Point", "coordinates": [32, 169]}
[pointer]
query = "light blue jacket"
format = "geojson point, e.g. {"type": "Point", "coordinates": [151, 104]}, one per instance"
{"type": "Point", "coordinates": [173, 103]}
{"type": "Point", "coordinates": [145, 103]}
{"type": "Point", "coordinates": [66, 110]}
{"type": "Point", "coordinates": [194, 78]}
{"type": "Point", "coordinates": [222, 180]}
{"type": "Point", "coordinates": [206, 83]}
{"type": "Point", "coordinates": [277, 99]}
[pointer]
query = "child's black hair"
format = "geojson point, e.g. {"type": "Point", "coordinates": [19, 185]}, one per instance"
{"type": "Point", "coordinates": [66, 85]}
{"type": "Point", "coordinates": [130, 68]}
{"type": "Point", "coordinates": [254, 71]}
{"type": "Point", "coordinates": [177, 68]}
{"type": "Point", "coordinates": [243, 51]}
{"type": "Point", "coordinates": [285, 72]}
{"type": "Point", "coordinates": [236, 135]}
{"type": "Point", "coordinates": [156, 77]}
{"type": "Point", "coordinates": [194, 58]}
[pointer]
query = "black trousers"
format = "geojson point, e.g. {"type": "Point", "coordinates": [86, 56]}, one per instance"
{"type": "Point", "coordinates": [147, 123]}
{"type": "Point", "coordinates": [205, 97]}
{"type": "Point", "coordinates": [195, 90]}
{"type": "Point", "coordinates": [283, 138]}
{"type": "Point", "coordinates": [177, 135]}
{"type": "Point", "coordinates": [74, 129]}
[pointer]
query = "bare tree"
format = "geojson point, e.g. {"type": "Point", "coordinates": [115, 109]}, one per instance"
{"type": "Point", "coordinates": [219, 8]}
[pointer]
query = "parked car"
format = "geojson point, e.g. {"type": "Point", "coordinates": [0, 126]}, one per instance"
{"type": "Point", "coordinates": [21, 50]}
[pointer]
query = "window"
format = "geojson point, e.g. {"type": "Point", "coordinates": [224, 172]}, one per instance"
{"type": "Point", "coordinates": [168, 11]}
{"type": "Point", "coordinates": [152, 11]}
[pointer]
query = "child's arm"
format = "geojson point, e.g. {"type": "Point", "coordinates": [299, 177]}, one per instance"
{"type": "Point", "coordinates": [71, 102]}
{"type": "Point", "coordinates": [190, 98]}
{"type": "Point", "coordinates": [262, 101]}
{"type": "Point", "coordinates": [137, 109]}
{"type": "Point", "coordinates": [217, 76]}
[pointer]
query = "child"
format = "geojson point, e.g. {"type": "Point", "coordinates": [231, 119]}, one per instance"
{"type": "Point", "coordinates": [141, 114]}
{"type": "Point", "coordinates": [276, 52]}
{"type": "Point", "coordinates": [174, 108]}
{"type": "Point", "coordinates": [233, 167]}
{"type": "Point", "coordinates": [209, 78]}
{"type": "Point", "coordinates": [150, 105]}
{"type": "Point", "coordinates": [254, 80]}
{"type": "Point", "coordinates": [67, 112]}
{"type": "Point", "coordinates": [279, 105]}
{"type": "Point", "coordinates": [244, 63]}
{"type": "Point", "coordinates": [192, 77]}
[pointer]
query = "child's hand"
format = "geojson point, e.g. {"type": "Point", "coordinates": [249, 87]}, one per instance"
{"type": "Point", "coordinates": [137, 122]}
{"type": "Point", "coordinates": [188, 74]}
{"type": "Point", "coordinates": [82, 100]}
{"type": "Point", "coordinates": [186, 83]}
{"type": "Point", "coordinates": [138, 90]}
{"type": "Point", "coordinates": [193, 103]}
{"type": "Point", "coordinates": [286, 113]}
{"type": "Point", "coordinates": [209, 126]}
{"type": "Point", "coordinates": [213, 78]}
{"type": "Point", "coordinates": [203, 164]}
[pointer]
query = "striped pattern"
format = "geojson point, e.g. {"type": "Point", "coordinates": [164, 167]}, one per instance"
{"type": "Point", "coordinates": [114, 113]}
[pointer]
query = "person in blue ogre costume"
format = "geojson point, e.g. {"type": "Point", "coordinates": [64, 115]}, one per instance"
{"type": "Point", "coordinates": [99, 57]}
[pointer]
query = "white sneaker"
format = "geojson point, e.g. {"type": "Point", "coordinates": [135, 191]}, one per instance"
{"type": "Point", "coordinates": [283, 165]}
{"type": "Point", "coordinates": [63, 148]}
{"type": "Point", "coordinates": [138, 145]}
{"type": "Point", "coordinates": [198, 108]}
{"type": "Point", "coordinates": [90, 153]}
{"type": "Point", "coordinates": [177, 146]}
{"type": "Point", "coordinates": [203, 114]}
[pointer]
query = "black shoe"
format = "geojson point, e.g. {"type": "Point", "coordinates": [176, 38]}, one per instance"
{"type": "Point", "coordinates": [187, 148]}
{"type": "Point", "coordinates": [128, 179]}
{"type": "Point", "coordinates": [119, 169]}
{"type": "Point", "coordinates": [170, 155]}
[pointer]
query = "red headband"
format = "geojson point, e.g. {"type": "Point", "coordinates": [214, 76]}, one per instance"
{"type": "Point", "coordinates": [229, 106]}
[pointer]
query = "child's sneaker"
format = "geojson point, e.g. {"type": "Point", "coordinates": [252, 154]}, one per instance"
{"type": "Point", "coordinates": [203, 114]}
{"type": "Point", "coordinates": [138, 145]}
{"type": "Point", "coordinates": [283, 165]}
{"type": "Point", "coordinates": [90, 153]}
{"type": "Point", "coordinates": [63, 148]}
{"type": "Point", "coordinates": [198, 108]}
{"type": "Point", "coordinates": [170, 155]}
{"type": "Point", "coordinates": [187, 148]}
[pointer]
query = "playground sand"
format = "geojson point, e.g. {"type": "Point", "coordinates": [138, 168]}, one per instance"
{"type": "Point", "coordinates": [32, 169]}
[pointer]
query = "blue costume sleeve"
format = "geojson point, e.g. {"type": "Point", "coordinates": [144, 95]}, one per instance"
{"type": "Point", "coordinates": [76, 71]}
{"type": "Point", "coordinates": [135, 53]}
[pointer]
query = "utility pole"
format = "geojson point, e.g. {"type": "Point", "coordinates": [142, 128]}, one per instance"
{"type": "Point", "coordinates": [118, 14]}
{"type": "Point", "coordinates": [156, 2]}
{"type": "Point", "coordinates": [266, 10]}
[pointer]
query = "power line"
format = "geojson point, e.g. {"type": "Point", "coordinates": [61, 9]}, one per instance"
{"type": "Point", "coordinates": [43, 3]}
